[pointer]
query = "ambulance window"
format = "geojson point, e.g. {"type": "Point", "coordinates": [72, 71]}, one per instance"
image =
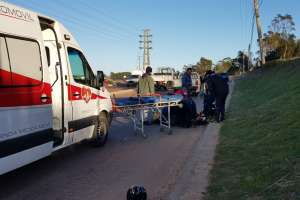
{"type": "Point", "coordinates": [25, 60]}
{"type": "Point", "coordinates": [80, 68]}
{"type": "Point", "coordinates": [77, 66]}
{"type": "Point", "coordinates": [90, 77]}
{"type": "Point", "coordinates": [5, 75]}
{"type": "Point", "coordinates": [48, 56]}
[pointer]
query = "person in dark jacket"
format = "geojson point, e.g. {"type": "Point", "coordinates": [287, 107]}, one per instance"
{"type": "Point", "coordinates": [185, 114]}
{"type": "Point", "coordinates": [209, 98]}
{"type": "Point", "coordinates": [218, 86]}
{"type": "Point", "coordinates": [186, 80]}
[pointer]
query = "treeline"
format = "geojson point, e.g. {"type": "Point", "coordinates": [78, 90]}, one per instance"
{"type": "Point", "coordinates": [280, 41]}
{"type": "Point", "coordinates": [119, 75]}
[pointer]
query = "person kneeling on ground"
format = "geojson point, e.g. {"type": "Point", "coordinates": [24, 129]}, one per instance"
{"type": "Point", "coordinates": [186, 115]}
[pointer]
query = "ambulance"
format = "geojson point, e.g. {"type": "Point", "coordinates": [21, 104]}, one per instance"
{"type": "Point", "coordinates": [49, 96]}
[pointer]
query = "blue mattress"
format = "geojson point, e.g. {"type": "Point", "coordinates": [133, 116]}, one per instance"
{"type": "Point", "coordinates": [129, 101]}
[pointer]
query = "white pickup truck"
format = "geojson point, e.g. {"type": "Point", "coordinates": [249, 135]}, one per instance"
{"type": "Point", "coordinates": [167, 78]}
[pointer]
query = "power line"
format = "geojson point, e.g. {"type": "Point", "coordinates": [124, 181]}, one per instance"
{"type": "Point", "coordinates": [252, 30]}
{"type": "Point", "coordinates": [75, 21]}
{"type": "Point", "coordinates": [261, 2]}
{"type": "Point", "coordinates": [242, 20]}
{"type": "Point", "coordinates": [116, 21]}
{"type": "Point", "coordinates": [91, 15]}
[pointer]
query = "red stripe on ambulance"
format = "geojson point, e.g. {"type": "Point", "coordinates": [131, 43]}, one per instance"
{"type": "Point", "coordinates": [16, 93]}
{"type": "Point", "coordinates": [81, 93]}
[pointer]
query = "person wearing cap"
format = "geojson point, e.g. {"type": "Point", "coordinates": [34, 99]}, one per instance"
{"type": "Point", "coordinates": [186, 80]}
{"type": "Point", "coordinates": [145, 85]}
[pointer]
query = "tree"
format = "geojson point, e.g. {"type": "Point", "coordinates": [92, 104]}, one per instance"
{"type": "Point", "coordinates": [279, 40]}
{"type": "Point", "coordinates": [119, 75]}
{"type": "Point", "coordinates": [223, 65]}
{"type": "Point", "coordinates": [203, 65]}
{"type": "Point", "coordinates": [297, 49]}
{"type": "Point", "coordinates": [284, 25]}
{"type": "Point", "coordinates": [243, 61]}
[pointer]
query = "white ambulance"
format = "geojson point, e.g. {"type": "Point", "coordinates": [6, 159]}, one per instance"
{"type": "Point", "coordinates": [49, 95]}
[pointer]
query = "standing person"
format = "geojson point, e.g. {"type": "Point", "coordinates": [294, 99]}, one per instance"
{"type": "Point", "coordinates": [219, 87]}
{"type": "Point", "coordinates": [209, 98]}
{"type": "Point", "coordinates": [145, 85]}
{"type": "Point", "coordinates": [186, 80]}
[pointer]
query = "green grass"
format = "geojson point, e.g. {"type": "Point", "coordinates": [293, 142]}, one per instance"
{"type": "Point", "coordinates": [259, 152]}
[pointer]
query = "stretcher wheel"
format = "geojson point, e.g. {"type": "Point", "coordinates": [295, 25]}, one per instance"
{"type": "Point", "coordinates": [170, 132]}
{"type": "Point", "coordinates": [161, 129]}
{"type": "Point", "coordinates": [145, 136]}
{"type": "Point", "coordinates": [136, 132]}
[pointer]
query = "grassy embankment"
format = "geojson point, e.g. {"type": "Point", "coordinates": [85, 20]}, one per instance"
{"type": "Point", "coordinates": [259, 152]}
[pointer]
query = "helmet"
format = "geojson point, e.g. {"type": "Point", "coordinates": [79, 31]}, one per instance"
{"type": "Point", "coordinates": [136, 193]}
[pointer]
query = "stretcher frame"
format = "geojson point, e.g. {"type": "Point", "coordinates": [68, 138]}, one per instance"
{"type": "Point", "coordinates": [136, 114]}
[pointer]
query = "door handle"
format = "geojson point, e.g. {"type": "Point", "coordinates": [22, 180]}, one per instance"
{"type": "Point", "coordinates": [56, 73]}
{"type": "Point", "coordinates": [76, 94]}
{"type": "Point", "coordinates": [44, 98]}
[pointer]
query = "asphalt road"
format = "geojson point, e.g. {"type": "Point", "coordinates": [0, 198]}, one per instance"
{"type": "Point", "coordinates": [83, 172]}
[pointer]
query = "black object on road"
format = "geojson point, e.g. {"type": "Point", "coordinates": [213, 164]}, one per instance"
{"type": "Point", "coordinates": [136, 193]}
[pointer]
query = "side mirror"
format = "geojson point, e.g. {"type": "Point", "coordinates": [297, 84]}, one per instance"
{"type": "Point", "coordinates": [100, 79]}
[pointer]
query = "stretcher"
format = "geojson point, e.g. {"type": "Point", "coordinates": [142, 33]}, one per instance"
{"type": "Point", "coordinates": [135, 108]}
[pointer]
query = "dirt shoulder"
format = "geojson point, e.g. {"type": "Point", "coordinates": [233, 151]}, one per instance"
{"type": "Point", "coordinates": [194, 178]}
{"type": "Point", "coordinates": [119, 93]}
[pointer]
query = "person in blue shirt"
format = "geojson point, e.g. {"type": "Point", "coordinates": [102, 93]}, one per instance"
{"type": "Point", "coordinates": [186, 80]}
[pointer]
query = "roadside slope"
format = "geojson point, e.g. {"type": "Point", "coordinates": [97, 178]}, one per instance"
{"type": "Point", "coordinates": [259, 152]}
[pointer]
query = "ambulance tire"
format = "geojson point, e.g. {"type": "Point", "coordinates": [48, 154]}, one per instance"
{"type": "Point", "coordinates": [101, 131]}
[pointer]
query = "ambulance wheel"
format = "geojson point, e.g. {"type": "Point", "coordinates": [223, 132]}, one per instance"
{"type": "Point", "coordinates": [101, 131]}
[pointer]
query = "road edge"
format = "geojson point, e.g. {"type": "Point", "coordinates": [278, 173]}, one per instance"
{"type": "Point", "coordinates": [192, 183]}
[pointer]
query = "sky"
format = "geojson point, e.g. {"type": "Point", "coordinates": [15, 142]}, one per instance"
{"type": "Point", "coordinates": [183, 30]}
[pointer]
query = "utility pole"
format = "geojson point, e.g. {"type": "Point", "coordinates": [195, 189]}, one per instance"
{"type": "Point", "coordinates": [243, 61]}
{"type": "Point", "coordinates": [139, 62]}
{"type": "Point", "coordinates": [249, 57]}
{"type": "Point", "coordinates": [146, 41]}
{"type": "Point", "coordinates": [259, 31]}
